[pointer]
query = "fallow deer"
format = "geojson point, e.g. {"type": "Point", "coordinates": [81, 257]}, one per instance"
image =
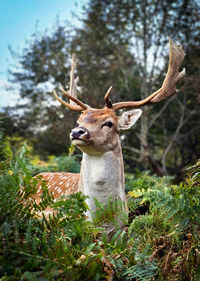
{"type": "Point", "coordinates": [97, 136]}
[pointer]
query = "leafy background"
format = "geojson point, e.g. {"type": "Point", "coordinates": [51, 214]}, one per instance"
{"type": "Point", "coordinates": [121, 44]}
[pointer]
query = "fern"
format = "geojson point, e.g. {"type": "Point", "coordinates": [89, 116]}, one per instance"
{"type": "Point", "coordinates": [161, 239]}
{"type": "Point", "coordinates": [172, 222]}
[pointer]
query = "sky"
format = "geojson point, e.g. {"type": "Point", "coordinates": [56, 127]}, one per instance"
{"type": "Point", "coordinates": [18, 20]}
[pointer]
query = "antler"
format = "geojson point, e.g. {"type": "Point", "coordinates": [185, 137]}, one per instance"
{"type": "Point", "coordinates": [106, 98]}
{"type": "Point", "coordinates": [74, 101]}
{"type": "Point", "coordinates": [176, 56]}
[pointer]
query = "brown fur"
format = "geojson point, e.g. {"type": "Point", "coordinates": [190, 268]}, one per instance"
{"type": "Point", "coordinates": [58, 184]}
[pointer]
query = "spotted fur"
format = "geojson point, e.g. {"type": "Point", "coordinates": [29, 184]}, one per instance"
{"type": "Point", "coordinates": [58, 184]}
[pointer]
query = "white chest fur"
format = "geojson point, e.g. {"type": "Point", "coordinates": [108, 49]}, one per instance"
{"type": "Point", "coordinates": [102, 178]}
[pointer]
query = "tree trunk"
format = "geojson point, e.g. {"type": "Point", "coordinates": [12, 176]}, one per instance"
{"type": "Point", "coordinates": [144, 146]}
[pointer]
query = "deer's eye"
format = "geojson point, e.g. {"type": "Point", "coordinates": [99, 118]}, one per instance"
{"type": "Point", "coordinates": [108, 124]}
{"type": "Point", "coordinates": [77, 125]}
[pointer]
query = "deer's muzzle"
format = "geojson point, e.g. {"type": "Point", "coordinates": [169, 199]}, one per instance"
{"type": "Point", "coordinates": [79, 133]}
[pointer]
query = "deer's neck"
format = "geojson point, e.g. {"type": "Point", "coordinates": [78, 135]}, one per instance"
{"type": "Point", "coordinates": [102, 177]}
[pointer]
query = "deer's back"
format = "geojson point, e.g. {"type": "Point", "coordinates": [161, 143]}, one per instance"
{"type": "Point", "coordinates": [58, 184]}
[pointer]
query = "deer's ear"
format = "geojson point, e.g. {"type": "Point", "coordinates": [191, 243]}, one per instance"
{"type": "Point", "coordinates": [128, 119]}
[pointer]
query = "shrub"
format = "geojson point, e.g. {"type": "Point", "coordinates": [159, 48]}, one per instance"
{"type": "Point", "coordinates": [64, 247]}
{"type": "Point", "coordinates": [171, 226]}
{"type": "Point", "coordinates": [161, 241]}
{"type": "Point", "coordinates": [63, 163]}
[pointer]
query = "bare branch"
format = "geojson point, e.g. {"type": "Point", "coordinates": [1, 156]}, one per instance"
{"type": "Point", "coordinates": [135, 150]}
{"type": "Point", "coordinates": [156, 116]}
{"type": "Point", "coordinates": [182, 122]}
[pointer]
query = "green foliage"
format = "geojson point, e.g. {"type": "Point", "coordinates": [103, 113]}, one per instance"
{"type": "Point", "coordinates": [63, 247]}
{"type": "Point", "coordinates": [161, 240]}
{"type": "Point", "coordinates": [144, 181]}
{"type": "Point", "coordinates": [5, 150]}
{"type": "Point", "coordinates": [71, 149]}
{"type": "Point", "coordinates": [31, 245]}
{"type": "Point", "coordinates": [170, 223]}
{"type": "Point", "coordinates": [178, 201]}
{"type": "Point", "coordinates": [108, 214]}
{"type": "Point", "coordinates": [61, 163]}
{"type": "Point", "coordinates": [64, 163]}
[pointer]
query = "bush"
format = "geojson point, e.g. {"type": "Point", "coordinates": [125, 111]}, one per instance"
{"type": "Point", "coordinates": [161, 241]}
{"type": "Point", "coordinates": [63, 163]}
{"type": "Point", "coordinates": [64, 247]}
{"type": "Point", "coordinates": [171, 224]}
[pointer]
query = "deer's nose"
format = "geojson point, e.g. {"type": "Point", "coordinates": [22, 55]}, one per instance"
{"type": "Point", "coordinates": [79, 133]}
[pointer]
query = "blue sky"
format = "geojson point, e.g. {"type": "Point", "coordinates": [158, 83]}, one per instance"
{"type": "Point", "coordinates": [18, 20]}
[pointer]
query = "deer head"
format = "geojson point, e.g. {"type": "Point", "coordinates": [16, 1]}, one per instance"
{"type": "Point", "coordinates": [96, 128]}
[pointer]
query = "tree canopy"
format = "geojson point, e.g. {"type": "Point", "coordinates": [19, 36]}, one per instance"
{"type": "Point", "coordinates": [124, 44]}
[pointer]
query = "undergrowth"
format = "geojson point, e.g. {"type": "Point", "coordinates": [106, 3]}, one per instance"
{"type": "Point", "coordinates": [61, 163]}
{"type": "Point", "coordinates": [167, 218]}
{"type": "Point", "coordinates": [161, 240]}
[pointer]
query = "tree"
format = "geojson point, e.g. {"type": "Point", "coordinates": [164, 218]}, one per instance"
{"type": "Point", "coordinates": [144, 27]}
{"type": "Point", "coordinates": [104, 57]}
{"type": "Point", "coordinates": [44, 64]}
{"type": "Point", "coordinates": [125, 44]}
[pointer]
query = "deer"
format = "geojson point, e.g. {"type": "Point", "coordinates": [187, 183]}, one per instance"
{"type": "Point", "coordinates": [97, 135]}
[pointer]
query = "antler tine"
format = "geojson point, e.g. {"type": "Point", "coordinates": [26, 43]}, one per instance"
{"type": "Point", "coordinates": [176, 56]}
{"type": "Point", "coordinates": [77, 101]}
{"type": "Point", "coordinates": [73, 81]}
{"type": "Point", "coordinates": [106, 98]}
{"type": "Point", "coordinates": [70, 106]}
{"type": "Point", "coordinates": [74, 101]}
{"type": "Point", "coordinates": [168, 88]}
